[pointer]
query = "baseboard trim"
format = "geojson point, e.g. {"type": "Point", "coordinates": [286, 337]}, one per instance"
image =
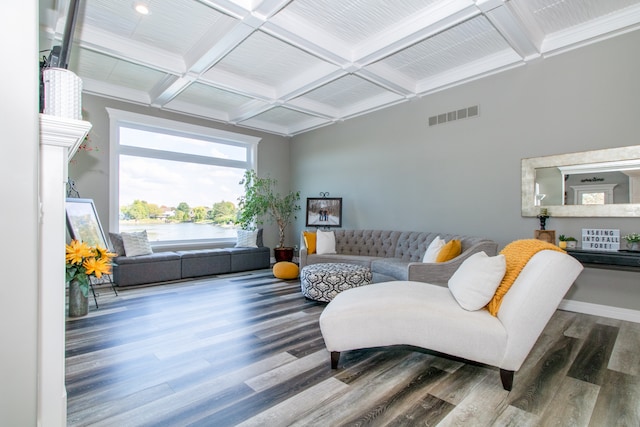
{"type": "Point", "coordinates": [601, 310]}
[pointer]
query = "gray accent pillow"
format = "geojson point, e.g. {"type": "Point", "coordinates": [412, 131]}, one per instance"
{"type": "Point", "coordinates": [117, 244]}
{"type": "Point", "coordinates": [247, 239]}
{"type": "Point", "coordinates": [259, 241]}
{"type": "Point", "coordinates": [136, 243]}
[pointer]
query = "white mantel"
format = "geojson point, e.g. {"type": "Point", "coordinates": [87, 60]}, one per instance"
{"type": "Point", "coordinates": [59, 140]}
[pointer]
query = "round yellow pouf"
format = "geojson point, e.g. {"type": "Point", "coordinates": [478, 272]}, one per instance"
{"type": "Point", "coordinates": [285, 270]}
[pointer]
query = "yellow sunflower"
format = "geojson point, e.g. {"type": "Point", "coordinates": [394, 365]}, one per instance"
{"type": "Point", "coordinates": [97, 267]}
{"type": "Point", "coordinates": [76, 251]}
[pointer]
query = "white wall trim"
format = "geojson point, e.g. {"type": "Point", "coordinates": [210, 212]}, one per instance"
{"type": "Point", "coordinates": [601, 310]}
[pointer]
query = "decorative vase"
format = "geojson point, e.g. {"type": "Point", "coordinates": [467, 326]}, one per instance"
{"type": "Point", "coordinates": [633, 246]}
{"type": "Point", "coordinates": [78, 303]}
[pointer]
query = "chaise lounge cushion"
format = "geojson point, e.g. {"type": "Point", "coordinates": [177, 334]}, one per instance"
{"type": "Point", "coordinates": [414, 313]}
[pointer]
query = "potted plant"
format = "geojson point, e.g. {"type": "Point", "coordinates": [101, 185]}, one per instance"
{"type": "Point", "coordinates": [567, 242]}
{"type": "Point", "coordinates": [82, 263]}
{"type": "Point", "coordinates": [633, 241]}
{"type": "Point", "coordinates": [260, 199]}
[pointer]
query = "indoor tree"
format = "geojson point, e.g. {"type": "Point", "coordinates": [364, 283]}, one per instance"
{"type": "Point", "coordinates": [261, 199]}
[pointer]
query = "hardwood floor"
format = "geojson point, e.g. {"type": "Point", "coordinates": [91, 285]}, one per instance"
{"type": "Point", "coordinates": [247, 350]}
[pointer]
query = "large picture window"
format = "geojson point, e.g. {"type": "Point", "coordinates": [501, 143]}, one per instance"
{"type": "Point", "coordinates": [178, 182]}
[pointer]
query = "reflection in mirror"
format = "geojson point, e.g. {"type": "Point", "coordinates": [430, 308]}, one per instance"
{"type": "Point", "coordinates": [592, 183]}
{"type": "Point", "coordinates": [588, 184]}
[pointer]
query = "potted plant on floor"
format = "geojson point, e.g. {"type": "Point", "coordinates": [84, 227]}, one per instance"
{"type": "Point", "coordinates": [82, 263]}
{"type": "Point", "coordinates": [260, 199]}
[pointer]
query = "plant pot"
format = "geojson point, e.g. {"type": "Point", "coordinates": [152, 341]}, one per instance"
{"type": "Point", "coordinates": [562, 244]}
{"type": "Point", "coordinates": [571, 244]}
{"type": "Point", "coordinates": [633, 246]}
{"type": "Point", "coordinates": [283, 254]}
{"type": "Point", "coordinates": [78, 303]}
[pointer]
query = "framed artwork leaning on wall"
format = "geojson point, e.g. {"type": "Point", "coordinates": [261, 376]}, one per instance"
{"type": "Point", "coordinates": [324, 212]}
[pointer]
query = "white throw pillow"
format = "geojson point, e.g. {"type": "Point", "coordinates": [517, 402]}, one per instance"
{"type": "Point", "coordinates": [433, 250]}
{"type": "Point", "coordinates": [325, 242]}
{"type": "Point", "coordinates": [247, 239]}
{"type": "Point", "coordinates": [476, 280]}
{"type": "Point", "coordinates": [136, 243]}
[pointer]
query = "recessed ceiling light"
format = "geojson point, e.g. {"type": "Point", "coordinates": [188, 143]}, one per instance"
{"type": "Point", "coordinates": [141, 8]}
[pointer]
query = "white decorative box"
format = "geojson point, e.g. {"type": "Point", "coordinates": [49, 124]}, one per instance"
{"type": "Point", "coordinates": [62, 93]}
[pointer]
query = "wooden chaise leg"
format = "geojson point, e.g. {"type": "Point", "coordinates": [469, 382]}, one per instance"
{"type": "Point", "coordinates": [335, 357]}
{"type": "Point", "coordinates": [507, 379]}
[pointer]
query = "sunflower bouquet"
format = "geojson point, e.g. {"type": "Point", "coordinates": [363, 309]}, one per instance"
{"type": "Point", "coordinates": [84, 261]}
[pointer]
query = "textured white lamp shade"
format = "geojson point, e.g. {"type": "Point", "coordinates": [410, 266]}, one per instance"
{"type": "Point", "coordinates": [62, 93]}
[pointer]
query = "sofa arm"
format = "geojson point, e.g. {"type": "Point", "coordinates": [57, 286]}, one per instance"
{"type": "Point", "coordinates": [439, 273]}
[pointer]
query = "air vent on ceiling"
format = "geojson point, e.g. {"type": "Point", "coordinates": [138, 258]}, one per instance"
{"type": "Point", "coordinates": [464, 113]}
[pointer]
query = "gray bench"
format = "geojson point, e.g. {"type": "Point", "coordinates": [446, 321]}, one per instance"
{"type": "Point", "coordinates": [170, 266]}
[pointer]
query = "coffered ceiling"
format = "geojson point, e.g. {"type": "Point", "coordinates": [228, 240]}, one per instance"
{"type": "Point", "coordinates": [289, 66]}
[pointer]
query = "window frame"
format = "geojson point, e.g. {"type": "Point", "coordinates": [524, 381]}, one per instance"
{"type": "Point", "coordinates": [121, 118]}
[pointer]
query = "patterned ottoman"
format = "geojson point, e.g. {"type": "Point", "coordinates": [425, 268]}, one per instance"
{"type": "Point", "coordinates": [322, 282]}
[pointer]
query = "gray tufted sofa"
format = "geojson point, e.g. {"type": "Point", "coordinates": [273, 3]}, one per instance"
{"type": "Point", "coordinates": [397, 255]}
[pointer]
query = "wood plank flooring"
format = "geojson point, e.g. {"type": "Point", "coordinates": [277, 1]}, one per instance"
{"type": "Point", "coordinates": [247, 350]}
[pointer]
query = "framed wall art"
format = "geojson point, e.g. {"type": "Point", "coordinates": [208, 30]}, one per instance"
{"type": "Point", "coordinates": [83, 223]}
{"type": "Point", "coordinates": [324, 212]}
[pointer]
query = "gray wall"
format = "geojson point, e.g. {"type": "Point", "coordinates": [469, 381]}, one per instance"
{"type": "Point", "coordinates": [90, 169]}
{"type": "Point", "coordinates": [396, 172]}
{"type": "Point", "coordinates": [19, 225]}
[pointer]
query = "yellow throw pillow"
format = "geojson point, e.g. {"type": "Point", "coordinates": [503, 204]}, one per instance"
{"type": "Point", "coordinates": [449, 251]}
{"type": "Point", "coordinates": [310, 241]}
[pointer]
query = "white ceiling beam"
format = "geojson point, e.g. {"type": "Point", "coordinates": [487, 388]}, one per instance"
{"type": "Point", "coordinates": [228, 7]}
{"type": "Point", "coordinates": [514, 31]}
{"type": "Point", "coordinates": [238, 84]}
{"type": "Point", "coordinates": [303, 35]}
{"type": "Point", "coordinates": [248, 110]}
{"type": "Point", "coordinates": [268, 8]}
{"type": "Point", "coordinates": [196, 110]}
{"type": "Point", "coordinates": [308, 106]}
{"type": "Point", "coordinates": [294, 89]}
{"type": "Point", "coordinates": [204, 55]}
{"type": "Point", "coordinates": [168, 88]}
{"type": "Point", "coordinates": [625, 20]}
{"type": "Point", "coordinates": [388, 78]}
{"type": "Point", "coordinates": [480, 68]}
{"type": "Point", "coordinates": [414, 29]}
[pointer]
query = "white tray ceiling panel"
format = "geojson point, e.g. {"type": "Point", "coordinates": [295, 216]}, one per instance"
{"type": "Point", "coordinates": [287, 67]}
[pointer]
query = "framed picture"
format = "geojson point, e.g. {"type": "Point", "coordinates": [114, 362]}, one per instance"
{"type": "Point", "coordinates": [324, 211]}
{"type": "Point", "coordinates": [83, 223]}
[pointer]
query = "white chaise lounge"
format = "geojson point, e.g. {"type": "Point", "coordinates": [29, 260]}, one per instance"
{"type": "Point", "coordinates": [428, 316]}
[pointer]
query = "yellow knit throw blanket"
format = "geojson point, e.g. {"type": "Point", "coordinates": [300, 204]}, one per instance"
{"type": "Point", "coordinates": [516, 254]}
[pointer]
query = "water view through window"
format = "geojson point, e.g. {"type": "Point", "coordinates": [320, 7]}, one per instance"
{"type": "Point", "coordinates": [178, 188]}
